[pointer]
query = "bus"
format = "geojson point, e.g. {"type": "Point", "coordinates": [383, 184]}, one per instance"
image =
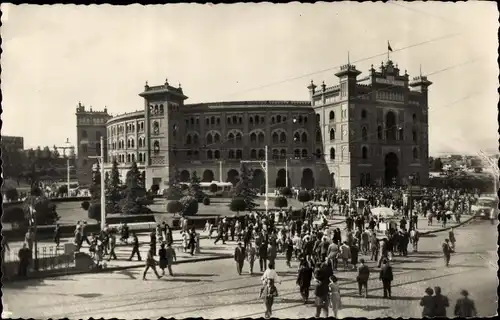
{"type": "Point", "coordinates": [223, 188]}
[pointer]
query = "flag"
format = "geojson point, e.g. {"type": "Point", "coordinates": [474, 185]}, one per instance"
{"type": "Point", "coordinates": [389, 46]}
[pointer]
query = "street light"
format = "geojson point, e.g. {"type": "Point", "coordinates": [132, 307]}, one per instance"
{"type": "Point", "coordinates": [70, 147]}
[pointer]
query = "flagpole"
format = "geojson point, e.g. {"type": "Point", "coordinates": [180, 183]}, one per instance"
{"type": "Point", "coordinates": [388, 51]}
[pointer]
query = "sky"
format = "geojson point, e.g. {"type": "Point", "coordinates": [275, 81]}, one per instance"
{"type": "Point", "coordinates": [55, 56]}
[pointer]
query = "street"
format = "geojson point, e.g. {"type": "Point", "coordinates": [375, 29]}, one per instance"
{"type": "Point", "coordinates": [213, 289]}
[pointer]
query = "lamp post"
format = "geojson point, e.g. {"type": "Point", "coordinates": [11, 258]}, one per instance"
{"type": "Point", "coordinates": [103, 191]}
{"type": "Point", "coordinates": [68, 167]}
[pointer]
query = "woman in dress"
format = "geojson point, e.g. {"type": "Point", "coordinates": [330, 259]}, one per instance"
{"type": "Point", "coordinates": [162, 255]}
{"type": "Point", "coordinates": [335, 301]}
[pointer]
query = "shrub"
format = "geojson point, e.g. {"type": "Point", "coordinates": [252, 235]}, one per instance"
{"type": "Point", "coordinates": [189, 205]}
{"type": "Point", "coordinates": [213, 188]}
{"type": "Point", "coordinates": [14, 215]}
{"type": "Point", "coordinates": [85, 205]}
{"type": "Point", "coordinates": [304, 196]}
{"type": "Point", "coordinates": [172, 193]}
{"type": "Point", "coordinates": [184, 187]}
{"type": "Point", "coordinates": [174, 207]}
{"type": "Point", "coordinates": [281, 202]}
{"type": "Point", "coordinates": [45, 210]}
{"type": "Point", "coordinates": [155, 188]}
{"type": "Point", "coordinates": [286, 192]}
{"type": "Point", "coordinates": [11, 194]}
{"type": "Point", "coordinates": [206, 201]}
{"type": "Point", "coordinates": [237, 204]}
{"type": "Point", "coordinates": [36, 191]}
{"type": "Point", "coordinates": [94, 212]}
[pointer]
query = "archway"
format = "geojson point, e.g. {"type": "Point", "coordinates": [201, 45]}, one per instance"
{"type": "Point", "coordinates": [307, 180]}
{"type": "Point", "coordinates": [232, 176]}
{"type": "Point", "coordinates": [185, 175]}
{"type": "Point", "coordinates": [208, 176]}
{"type": "Point", "coordinates": [281, 179]}
{"type": "Point", "coordinates": [258, 179]}
{"type": "Point", "coordinates": [391, 168]}
{"type": "Point", "coordinates": [332, 179]}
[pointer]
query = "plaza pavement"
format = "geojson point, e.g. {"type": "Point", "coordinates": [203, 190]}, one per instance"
{"type": "Point", "coordinates": [214, 290]}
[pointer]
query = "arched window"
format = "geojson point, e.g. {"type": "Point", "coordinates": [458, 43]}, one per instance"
{"type": "Point", "coordinates": [364, 153]}
{"type": "Point", "coordinates": [212, 120]}
{"type": "Point", "coordinates": [140, 157]}
{"type": "Point", "coordinates": [414, 117]}
{"type": "Point", "coordinates": [391, 127]}
{"type": "Point", "coordinates": [195, 139]}
{"type": "Point", "coordinates": [262, 154]}
{"type": "Point", "coordinates": [318, 135]}
{"type": "Point", "coordinates": [209, 154]}
{"type": "Point", "coordinates": [276, 154]}
{"type": "Point", "coordinates": [133, 157]}
{"type": "Point", "coordinates": [196, 154]}
{"type": "Point", "coordinates": [332, 115]}
{"type": "Point", "coordinates": [84, 134]}
{"type": "Point", "coordinates": [192, 121]}
{"type": "Point", "coordinates": [401, 134]}
{"type": "Point", "coordinates": [239, 154]}
{"type": "Point", "coordinates": [216, 137]}
{"type": "Point", "coordinates": [332, 153]}
{"type": "Point", "coordinates": [415, 154]}
{"type": "Point", "coordinates": [188, 139]}
{"type": "Point", "coordinates": [283, 153]}
{"type": "Point", "coordinates": [228, 120]}
{"type": "Point", "coordinates": [261, 137]}
{"type": "Point", "coordinates": [362, 179]}
{"type": "Point", "coordinates": [278, 119]}
{"type": "Point", "coordinates": [282, 137]}
{"type": "Point", "coordinates": [238, 137]}
{"type": "Point", "coordinates": [207, 121]}
{"type": "Point", "coordinates": [379, 132]}
{"type": "Point", "coordinates": [332, 134]}
{"type": "Point", "coordinates": [414, 135]}
{"type": "Point", "coordinates": [217, 121]}
{"type": "Point", "coordinates": [253, 137]}
{"type": "Point", "coordinates": [231, 154]}
{"type": "Point", "coordinates": [253, 154]}
{"type": "Point", "coordinates": [275, 137]}
{"type": "Point", "coordinates": [128, 158]}
{"type": "Point", "coordinates": [363, 114]}
{"type": "Point", "coordinates": [304, 137]}
{"type": "Point", "coordinates": [364, 134]}
{"type": "Point", "coordinates": [230, 137]}
{"type": "Point", "coordinates": [156, 147]}
{"type": "Point", "coordinates": [296, 153]}
{"type": "Point", "coordinates": [304, 153]}
{"type": "Point", "coordinates": [250, 120]}
{"type": "Point", "coordinates": [217, 154]}
{"type": "Point", "coordinates": [273, 120]}
{"type": "Point", "coordinates": [257, 119]}
{"type": "Point", "coordinates": [209, 138]}
{"type": "Point", "coordinates": [235, 119]}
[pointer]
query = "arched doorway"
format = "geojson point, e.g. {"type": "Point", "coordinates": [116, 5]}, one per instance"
{"type": "Point", "coordinates": [208, 176]}
{"type": "Point", "coordinates": [332, 179]}
{"type": "Point", "coordinates": [307, 180]}
{"type": "Point", "coordinates": [258, 179]}
{"type": "Point", "coordinates": [390, 124]}
{"type": "Point", "coordinates": [185, 175]}
{"type": "Point", "coordinates": [232, 176]}
{"type": "Point", "coordinates": [281, 179]}
{"type": "Point", "coordinates": [391, 168]}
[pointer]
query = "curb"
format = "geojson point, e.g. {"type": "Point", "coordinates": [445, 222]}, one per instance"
{"type": "Point", "coordinates": [111, 269]}
{"type": "Point", "coordinates": [450, 227]}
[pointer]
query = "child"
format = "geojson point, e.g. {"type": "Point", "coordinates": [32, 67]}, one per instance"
{"type": "Point", "coordinates": [335, 302]}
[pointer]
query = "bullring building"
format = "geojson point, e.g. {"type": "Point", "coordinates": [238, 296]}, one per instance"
{"type": "Point", "coordinates": [371, 130]}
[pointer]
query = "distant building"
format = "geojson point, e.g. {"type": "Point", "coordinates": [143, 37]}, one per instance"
{"type": "Point", "coordinates": [12, 143]}
{"type": "Point", "coordinates": [372, 131]}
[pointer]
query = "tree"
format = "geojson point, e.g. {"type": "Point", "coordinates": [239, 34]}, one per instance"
{"type": "Point", "coordinates": [45, 211]}
{"type": "Point", "coordinates": [437, 165]}
{"type": "Point", "coordinates": [189, 205]}
{"type": "Point", "coordinates": [94, 212]}
{"type": "Point", "coordinates": [206, 201]}
{"type": "Point", "coordinates": [11, 194]}
{"type": "Point", "coordinates": [113, 188]}
{"type": "Point", "coordinates": [95, 187]}
{"type": "Point", "coordinates": [134, 191]}
{"type": "Point", "coordinates": [244, 190]}
{"type": "Point", "coordinates": [237, 204]}
{"type": "Point", "coordinates": [85, 205]}
{"type": "Point", "coordinates": [304, 196]}
{"type": "Point", "coordinates": [14, 215]}
{"type": "Point", "coordinates": [213, 188]}
{"type": "Point", "coordinates": [281, 202]}
{"type": "Point", "coordinates": [286, 192]}
{"type": "Point", "coordinates": [174, 207]}
{"type": "Point", "coordinates": [195, 188]}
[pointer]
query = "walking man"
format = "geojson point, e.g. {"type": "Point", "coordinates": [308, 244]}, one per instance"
{"type": "Point", "coordinates": [171, 257]}
{"type": "Point", "coordinates": [135, 248]}
{"type": "Point", "coordinates": [386, 276]}
{"type": "Point", "coordinates": [150, 263]}
{"type": "Point", "coordinates": [362, 278]}
{"type": "Point", "coordinates": [239, 257]}
{"type": "Point", "coordinates": [250, 253]}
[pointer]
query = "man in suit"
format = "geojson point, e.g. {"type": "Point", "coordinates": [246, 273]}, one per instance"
{"type": "Point", "coordinates": [362, 278]}
{"type": "Point", "coordinates": [386, 276]}
{"type": "Point", "coordinates": [262, 255]}
{"type": "Point", "coordinates": [239, 257]}
{"type": "Point", "coordinates": [135, 248]}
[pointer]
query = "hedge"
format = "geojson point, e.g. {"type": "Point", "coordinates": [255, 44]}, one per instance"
{"type": "Point", "coordinates": [190, 205]}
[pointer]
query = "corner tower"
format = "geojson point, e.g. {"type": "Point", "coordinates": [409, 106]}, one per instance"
{"type": "Point", "coordinates": [90, 127]}
{"type": "Point", "coordinates": [163, 107]}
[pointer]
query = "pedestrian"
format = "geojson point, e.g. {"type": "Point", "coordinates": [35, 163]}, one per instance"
{"type": "Point", "coordinates": [251, 253]}
{"type": "Point", "coordinates": [152, 242]}
{"type": "Point", "coordinates": [354, 253]}
{"type": "Point", "coordinates": [150, 263]}
{"type": "Point", "coordinates": [24, 255]}
{"type": "Point", "coordinates": [363, 277]}
{"type": "Point", "coordinates": [268, 293]}
{"type": "Point", "coordinates": [427, 302]}
{"type": "Point", "coordinates": [135, 248]}
{"type": "Point", "coordinates": [321, 291]}
{"type": "Point", "coordinates": [171, 257]}
{"type": "Point", "coordinates": [465, 307]}
{"type": "Point", "coordinates": [272, 252]}
{"type": "Point", "coordinates": [262, 256]}
{"type": "Point", "coordinates": [414, 237]}
{"type": "Point", "coordinates": [57, 235]}
{"type": "Point", "coordinates": [335, 300]}
{"type": "Point", "coordinates": [386, 276]}
{"type": "Point", "coordinates": [288, 251]}
{"type": "Point", "coordinates": [446, 252]}
{"type": "Point", "coordinates": [345, 254]}
{"type": "Point", "coordinates": [112, 246]}
{"type": "Point", "coordinates": [192, 241]}
{"type": "Point", "coordinates": [441, 302]}
{"type": "Point", "coordinates": [451, 236]}
{"type": "Point", "coordinates": [304, 278]}
{"type": "Point", "coordinates": [162, 256]}
{"type": "Point", "coordinates": [239, 257]}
